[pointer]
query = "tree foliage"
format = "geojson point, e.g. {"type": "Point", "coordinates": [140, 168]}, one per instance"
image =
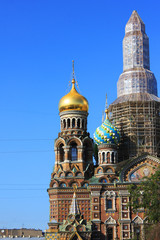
{"type": "Point", "coordinates": [147, 195]}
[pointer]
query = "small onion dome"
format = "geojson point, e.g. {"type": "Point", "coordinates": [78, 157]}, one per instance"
{"type": "Point", "coordinates": [106, 133]}
{"type": "Point", "coordinates": [73, 101]}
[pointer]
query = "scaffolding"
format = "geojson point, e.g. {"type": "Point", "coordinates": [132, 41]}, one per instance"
{"type": "Point", "coordinates": [137, 116]}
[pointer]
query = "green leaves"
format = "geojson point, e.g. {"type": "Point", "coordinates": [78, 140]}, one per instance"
{"type": "Point", "coordinates": [146, 196]}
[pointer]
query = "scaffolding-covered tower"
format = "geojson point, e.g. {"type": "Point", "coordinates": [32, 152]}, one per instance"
{"type": "Point", "coordinates": [136, 111]}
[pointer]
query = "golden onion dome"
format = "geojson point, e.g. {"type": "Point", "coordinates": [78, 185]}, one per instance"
{"type": "Point", "coordinates": [73, 101]}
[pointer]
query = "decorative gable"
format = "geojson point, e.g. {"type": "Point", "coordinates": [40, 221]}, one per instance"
{"type": "Point", "coordinates": [137, 220]}
{"type": "Point", "coordinates": [110, 221]}
{"type": "Point", "coordinates": [138, 168]}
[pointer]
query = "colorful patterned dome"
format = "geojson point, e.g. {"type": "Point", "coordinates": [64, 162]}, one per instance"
{"type": "Point", "coordinates": [106, 133]}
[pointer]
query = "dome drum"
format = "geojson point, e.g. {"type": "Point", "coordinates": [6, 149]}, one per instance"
{"type": "Point", "coordinates": [108, 146]}
{"type": "Point", "coordinates": [74, 113]}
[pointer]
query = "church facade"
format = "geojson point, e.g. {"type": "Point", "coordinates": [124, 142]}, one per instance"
{"type": "Point", "coordinates": [90, 201]}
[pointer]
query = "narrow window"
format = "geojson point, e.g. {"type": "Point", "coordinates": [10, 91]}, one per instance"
{"type": "Point", "coordinates": [78, 123]}
{"type": "Point", "coordinates": [73, 152]}
{"type": "Point", "coordinates": [103, 157]}
{"type": "Point", "coordinates": [61, 150]}
{"type": "Point", "coordinates": [137, 232]}
{"type": "Point", "coordinates": [109, 204]}
{"type": "Point", "coordinates": [68, 123]}
{"type": "Point", "coordinates": [112, 157]}
{"type": "Point", "coordinates": [109, 233]}
{"type": "Point", "coordinates": [73, 123]}
{"type": "Point", "coordinates": [64, 123]}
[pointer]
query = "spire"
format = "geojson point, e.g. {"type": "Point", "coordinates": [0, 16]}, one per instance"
{"type": "Point", "coordinates": [106, 108]}
{"type": "Point", "coordinates": [73, 75]}
{"type": "Point", "coordinates": [135, 44]}
{"type": "Point", "coordinates": [136, 77]}
{"type": "Point", "coordinates": [74, 209]}
{"type": "Point", "coordinates": [135, 23]}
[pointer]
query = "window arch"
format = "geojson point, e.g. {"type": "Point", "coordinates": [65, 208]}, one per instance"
{"type": "Point", "coordinates": [103, 157]}
{"type": "Point", "coordinates": [103, 180]}
{"type": "Point", "coordinates": [68, 123]}
{"type": "Point", "coordinates": [62, 184]}
{"type": "Point", "coordinates": [69, 174]}
{"type": "Point", "coordinates": [73, 123]}
{"type": "Point", "coordinates": [74, 184]}
{"type": "Point", "coordinates": [85, 185]}
{"type": "Point", "coordinates": [110, 197]}
{"type": "Point", "coordinates": [64, 123]}
{"type": "Point", "coordinates": [61, 152]}
{"type": "Point", "coordinates": [78, 123]}
{"type": "Point", "coordinates": [99, 171]}
{"type": "Point", "coordinates": [73, 151]}
{"type": "Point", "coordinates": [79, 174]}
{"type": "Point", "coordinates": [54, 185]}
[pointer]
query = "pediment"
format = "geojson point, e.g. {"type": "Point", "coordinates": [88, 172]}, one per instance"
{"type": "Point", "coordinates": [137, 220]}
{"type": "Point", "coordinates": [110, 221]}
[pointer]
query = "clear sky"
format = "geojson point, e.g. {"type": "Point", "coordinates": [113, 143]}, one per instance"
{"type": "Point", "coordinates": [38, 41]}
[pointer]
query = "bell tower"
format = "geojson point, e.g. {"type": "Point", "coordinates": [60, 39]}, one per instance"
{"type": "Point", "coordinates": [73, 147]}
{"type": "Point", "coordinates": [73, 153]}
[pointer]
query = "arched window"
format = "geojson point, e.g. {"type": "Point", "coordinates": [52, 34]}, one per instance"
{"type": "Point", "coordinates": [61, 152]}
{"type": "Point", "coordinates": [68, 123]}
{"type": "Point", "coordinates": [74, 184]}
{"type": "Point", "coordinates": [79, 174]}
{"type": "Point", "coordinates": [85, 185]}
{"type": "Point", "coordinates": [64, 123]}
{"type": "Point", "coordinates": [62, 184]}
{"type": "Point", "coordinates": [112, 161]}
{"type": "Point", "coordinates": [103, 157]}
{"type": "Point", "coordinates": [103, 180]}
{"type": "Point", "coordinates": [110, 233]}
{"type": "Point", "coordinates": [78, 123]}
{"type": "Point", "coordinates": [73, 122]}
{"type": "Point", "coordinates": [110, 197]}
{"type": "Point", "coordinates": [99, 171]}
{"type": "Point", "coordinates": [69, 174]}
{"type": "Point", "coordinates": [73, 151]}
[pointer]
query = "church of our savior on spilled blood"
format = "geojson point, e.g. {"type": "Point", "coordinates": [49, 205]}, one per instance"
{"type": "Point", "coordinates": [90, 201]}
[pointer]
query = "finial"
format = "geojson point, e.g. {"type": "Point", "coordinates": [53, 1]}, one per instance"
{"type": "Point", "coordinates": [74, 188]}
{"type": "Point", "coordinates": [73, 75]}
{"type": "Point", "coordinates": [106, 108]}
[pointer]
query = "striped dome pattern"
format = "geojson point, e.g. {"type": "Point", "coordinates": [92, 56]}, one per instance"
{"type": "Point", "coordinates": [106, 133]}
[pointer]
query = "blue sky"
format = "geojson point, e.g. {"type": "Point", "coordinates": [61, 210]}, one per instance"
{"type": "Point", "coordinates": [38, 41]}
